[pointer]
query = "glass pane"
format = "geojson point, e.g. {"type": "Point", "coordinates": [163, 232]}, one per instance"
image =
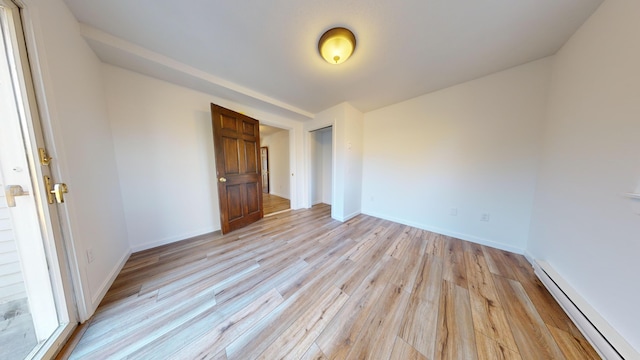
{"type": "Point", "coordinates": [17, 334]}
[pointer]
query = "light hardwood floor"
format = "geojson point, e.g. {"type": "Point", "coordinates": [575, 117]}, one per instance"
{"type": "Point", "coordinates": [273, 204]}
{"type": "Point", "coordinates": [299, 285]}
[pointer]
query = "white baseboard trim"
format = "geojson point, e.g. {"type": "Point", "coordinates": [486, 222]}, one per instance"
{"type": "Point", "coordinates": [106, 284]}
{"type": "Point", "coordinates": [171, 239]}
{"type": "Point", "coordinates": [280, 195]}
{"type": "Point", "coordinates": [348, 217]}
{"type": "Point", "coordinates": [529, 258]}
{"type": "Point", "coordinates": [277, 212]}
{"type": "Point", "coordinates": [603, 337]}
{"type": "Point", "coordinates": [446, 232]}
{"type": "Point", "coordinates": [319, 202]}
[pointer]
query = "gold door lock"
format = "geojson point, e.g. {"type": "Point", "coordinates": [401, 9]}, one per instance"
{"type": "Point", "coordinates": [55, 192]}
{"type": "Point", "coordinates": [45, 159]}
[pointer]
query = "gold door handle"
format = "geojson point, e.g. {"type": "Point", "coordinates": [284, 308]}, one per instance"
{"type": "Point", "coordinates": [11, 191]}
{"type": "Point", "coordinates": [222, 179]}
{"type": "Point", "coordinates": [59, 190]}
{"type": "Point", "coordinates": [55, 192]}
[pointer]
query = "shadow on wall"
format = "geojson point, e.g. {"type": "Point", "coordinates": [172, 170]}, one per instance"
{"type": "Point", "coordinates": [205, 147]}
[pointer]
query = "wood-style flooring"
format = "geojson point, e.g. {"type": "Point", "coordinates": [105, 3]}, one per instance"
{"type": "Point", "coordinates": [272, 204]}
{"type": "Point", "coordinates": [299, 285]}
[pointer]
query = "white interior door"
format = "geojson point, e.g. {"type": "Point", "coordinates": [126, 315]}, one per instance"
{"type": "Point", "coordinates": [26, 209]}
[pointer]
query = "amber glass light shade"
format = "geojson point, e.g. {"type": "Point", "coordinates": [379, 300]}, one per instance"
{"type": "Point", "coordinates": [337, 45]}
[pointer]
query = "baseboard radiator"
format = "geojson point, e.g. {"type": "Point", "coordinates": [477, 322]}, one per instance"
{"type": "Point", "coordinates": [604, 338]}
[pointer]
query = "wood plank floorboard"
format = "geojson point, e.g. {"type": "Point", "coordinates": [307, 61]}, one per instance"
{"type": "Point", "coordinates": [273, 203]}
{"type": "Point", "coordinates": [300, 285]}
{"type": "Point", "coordinates": [314, 353]}
{"type": "Point", "coordinates": [487, 311]}
{"type": "Point", "coordinates": [402, 350]}
{"type": "Point", "coordinates": [455, 338]}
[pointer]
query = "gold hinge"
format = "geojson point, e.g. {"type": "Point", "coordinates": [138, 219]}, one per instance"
{"type": "Point", "coordinates": [44, 157]}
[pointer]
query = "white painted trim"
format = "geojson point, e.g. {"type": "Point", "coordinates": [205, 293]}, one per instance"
{"type": "Point", "coordinates": [277, 212]}
{"type": "Point", "coordinates": [102, 290]}
{"type": "Point", "coordinates": [604, 338]}
{"type": "Point", "coordinates": [49, 348]}
{"type": "Point", "coordinates": [446, 232]}
{"type": "Point", "coordinates": [280, 195]}
{"type": "Point", "coordinates": [99, 36]}
{"type": "Point", "coordinates": [633, 196]}
{"type": "Point", "coordinates": [530, 258]}
{"type": "Point", "coordinates": [348, 217]}
{"type": "Point", "coordinates": [55, 145]}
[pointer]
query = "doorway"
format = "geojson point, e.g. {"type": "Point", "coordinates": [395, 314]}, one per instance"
{"type": "Point", "coordinates": [274, 143]}
{"type": "Point", "coordinates": [35, 295]}
{"type": "Point", "coordinates": [236, 140]}
{"type": "Point", "coordinates": [321, 166]}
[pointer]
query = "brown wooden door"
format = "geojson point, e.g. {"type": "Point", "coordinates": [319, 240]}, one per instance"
{"type": "Point", "coordinates": [236, 140]}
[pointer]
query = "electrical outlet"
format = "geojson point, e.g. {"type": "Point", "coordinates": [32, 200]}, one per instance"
{"type": "Point", "coordinates": [484, 217]}
{"type": "Point", "coordinates": [453, 212]}
{"type": "Point", "coordinates": [90, 257]}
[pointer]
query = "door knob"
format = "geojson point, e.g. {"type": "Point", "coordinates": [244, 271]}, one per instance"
{"type": "Point", "coordinates": [222, 179]}
{"type": "Point", "coordinates": [55, 191]}
{"type": "Point", "coordinates": [59, 190]}
{"type": "Point", "coordinates": [11, 191]}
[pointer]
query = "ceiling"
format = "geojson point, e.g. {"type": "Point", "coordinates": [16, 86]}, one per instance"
{"type": "Point", "coordinates": [264, 53]}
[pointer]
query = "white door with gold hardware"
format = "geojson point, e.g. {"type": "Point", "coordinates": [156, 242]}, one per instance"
{"type": "Point", "coordinates": [41, 308]}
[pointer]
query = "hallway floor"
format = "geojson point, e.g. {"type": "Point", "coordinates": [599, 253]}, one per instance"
{"type": "Point", "coordinates": [273, 204]}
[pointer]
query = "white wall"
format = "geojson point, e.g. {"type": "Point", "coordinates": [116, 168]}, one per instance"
{"type": "Point", "coordinates": [73, 107]}
{"type": "Point", "coordinates": [352, 149]}
{"type": "Point", "coordinates": [164, 150]}
{"type": "Point", "coordinates": [279, 175]}
{"type": "Point", "coordinates": [473, 147]}
{"type": "Point", "coordinates": [582, 225]}
{"type": "Point", "coordinates": [346, 122]}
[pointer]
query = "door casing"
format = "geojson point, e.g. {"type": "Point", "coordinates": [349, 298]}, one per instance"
{"type": "Point", "coordinates": [36, 134]}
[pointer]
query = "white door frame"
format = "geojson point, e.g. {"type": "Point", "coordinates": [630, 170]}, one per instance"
{"type": "Point", "coordinates": [35, 137]}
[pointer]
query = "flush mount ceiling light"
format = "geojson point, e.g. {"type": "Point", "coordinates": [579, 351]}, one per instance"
{"type": "Point", "coordinates": [336, 45]}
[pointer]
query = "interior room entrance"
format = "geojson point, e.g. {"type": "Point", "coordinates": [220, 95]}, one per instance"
{"type": "Point", "coordinates": [276, 179]}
